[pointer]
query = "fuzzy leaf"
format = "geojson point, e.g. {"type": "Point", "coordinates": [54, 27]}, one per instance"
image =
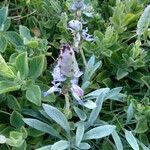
{"type": "Point", "coordinates": [131, 140]}
{"type": "Point", "coordinates": [3, 44]}
{"type": "Point", "coordinates": [121, 73]}
{"type": "Point", "coordinates": [99, 132]}
{"type": "Point", "coordinates": [61, 145]}
{"type": "Point", "coordinates": [57, 116]}
{"type": "Point", "coordinates": [21, 64]}
{"type": "Point", "coordinates": [3, 15]}
{"type": "Point", "coordinates": [33, 94]}
{"type": "Point", "coordinates": [5, 69]}
{"type": "Point", "coordinates": [81, 114]}
{"type": "Point", "coordinates": [39, 125]}
{"type": "Point", "coordinates": [144, 21]}
{"type": "Point", "coordinates": [8, 86]}
{"type": "Point", "coordinates": [79, 133]}
{"type": "Point", "coordinates": [117, 140]}
{"type": "Point", "coordinates": [36, 65]}
{"type": "Point", "coordinates": [14, 38]}
{"type": "Point", "coordinates": [24, 32]}
{"type": "Point", "coordinates": [84, 146]}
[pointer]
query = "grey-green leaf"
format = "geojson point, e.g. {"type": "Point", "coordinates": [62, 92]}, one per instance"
{"type": "Point", "coordinates": [84, 146]}
{"type": "Point", "coordinates": [81, 114]}
{"type": "Point", "coordinates": [95, 112]}
{"type": "Point", "coordinates": [99, 132]}
{"type": "Point", "coordinates": [60, 145]}
{"type": "Point", "coordinates": [57, 116]}
{"type": "Point", "coordinates": [3, 15]}
{"type": "Point", "coordinates": [39, 125]}
{"type": "Point", "coordinates": [144, 21]}
{"type": "Point", "coordinates": [131, 140]}
{"type": "Point", "coordinates": [117, 140]}
{"type": "Point", "coordinates": [24, 32]}
{"type": "Point", "coordinates": [79, 133]}
{"type": "Point", "coordinates": [47, 147]}
{"type": "Point", "coordinates": [130, 113]}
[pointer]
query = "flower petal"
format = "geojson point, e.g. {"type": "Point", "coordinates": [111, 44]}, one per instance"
{"type": "Point", "coordinates": [51, 90]}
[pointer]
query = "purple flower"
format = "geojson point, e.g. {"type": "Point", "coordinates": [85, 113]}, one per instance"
{"type": "Point", "coordinates": [77, 92]}
{"type": "Point", "coordinates": [57, 76]}
{"type": "Point", "coordinates": [87, 36]}
{"type": "Point", "coordinates": [78, 5]}
{"type": "Point", "coordinates": [52, 90]}
{"type": "Point", "coordinates": [75, 25]}
{"type": "Point", "coordinates": [66, 70]}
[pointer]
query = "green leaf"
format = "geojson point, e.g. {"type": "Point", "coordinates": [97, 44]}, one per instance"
{"type": "Point", "coordinates": [61, 145]}
{"type": "Point", "coordinates": [55, 5]}
{"type": "Point", "coordinates": [12, 102]}
{"type": "Point", "coordinates": [15, 139]}
{"type": "Point", "coordinates": [32, 43]}
{"type": "Point", "coordinates": [3, 16]}
{"type": "Point", "coordinates": [14, 38]}
{"type": "Point", "coordinates": [142, 125]}
{"type": "Point", "coordinates": [117, 140]}
{"type": "Point", "coordinates": [39, 125]}
{"type": "Point", "coordinates": [121, 73]}
{"type": "Point", "coordinates": [79, 133]}
{"type": "Point", "coordinates": [129, 17]}
{"type": "Point", "coordinates": [99, 132]}
{"type": "Point", "coordinates": [33, 94]}
{"type": "Point", "coordinates": [57, 116]}
{"type": "Point", "coordinates": [36, 66]}
{"type": "Point", "coordinates": [3, 44]}
{"type": "Point", "coordinates": [16, 119]}
{"type": "Point", "coordinates": [131, 140]}
{"type": "Point", "coordinates": [21, 64]}
{"type": "Point", "coordinates": [22, 147]}
{"type": "Point", "coordinates": [5, 69]}
{"type": "Point", "coordinates": [25, 33]}
{"type": "Point", "coordinates": [146, 80]}
{"type": "Point", "coordinates": [8, 86]}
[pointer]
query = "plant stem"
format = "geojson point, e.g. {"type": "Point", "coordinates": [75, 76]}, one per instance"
{"type": "Point", "coordinates": [67, 105]}
{"type": "Point", "coordinates": [83, 56]}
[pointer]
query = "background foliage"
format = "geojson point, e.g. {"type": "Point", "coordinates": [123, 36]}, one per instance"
{"type": "Point", "coordinates": [30, 35]}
